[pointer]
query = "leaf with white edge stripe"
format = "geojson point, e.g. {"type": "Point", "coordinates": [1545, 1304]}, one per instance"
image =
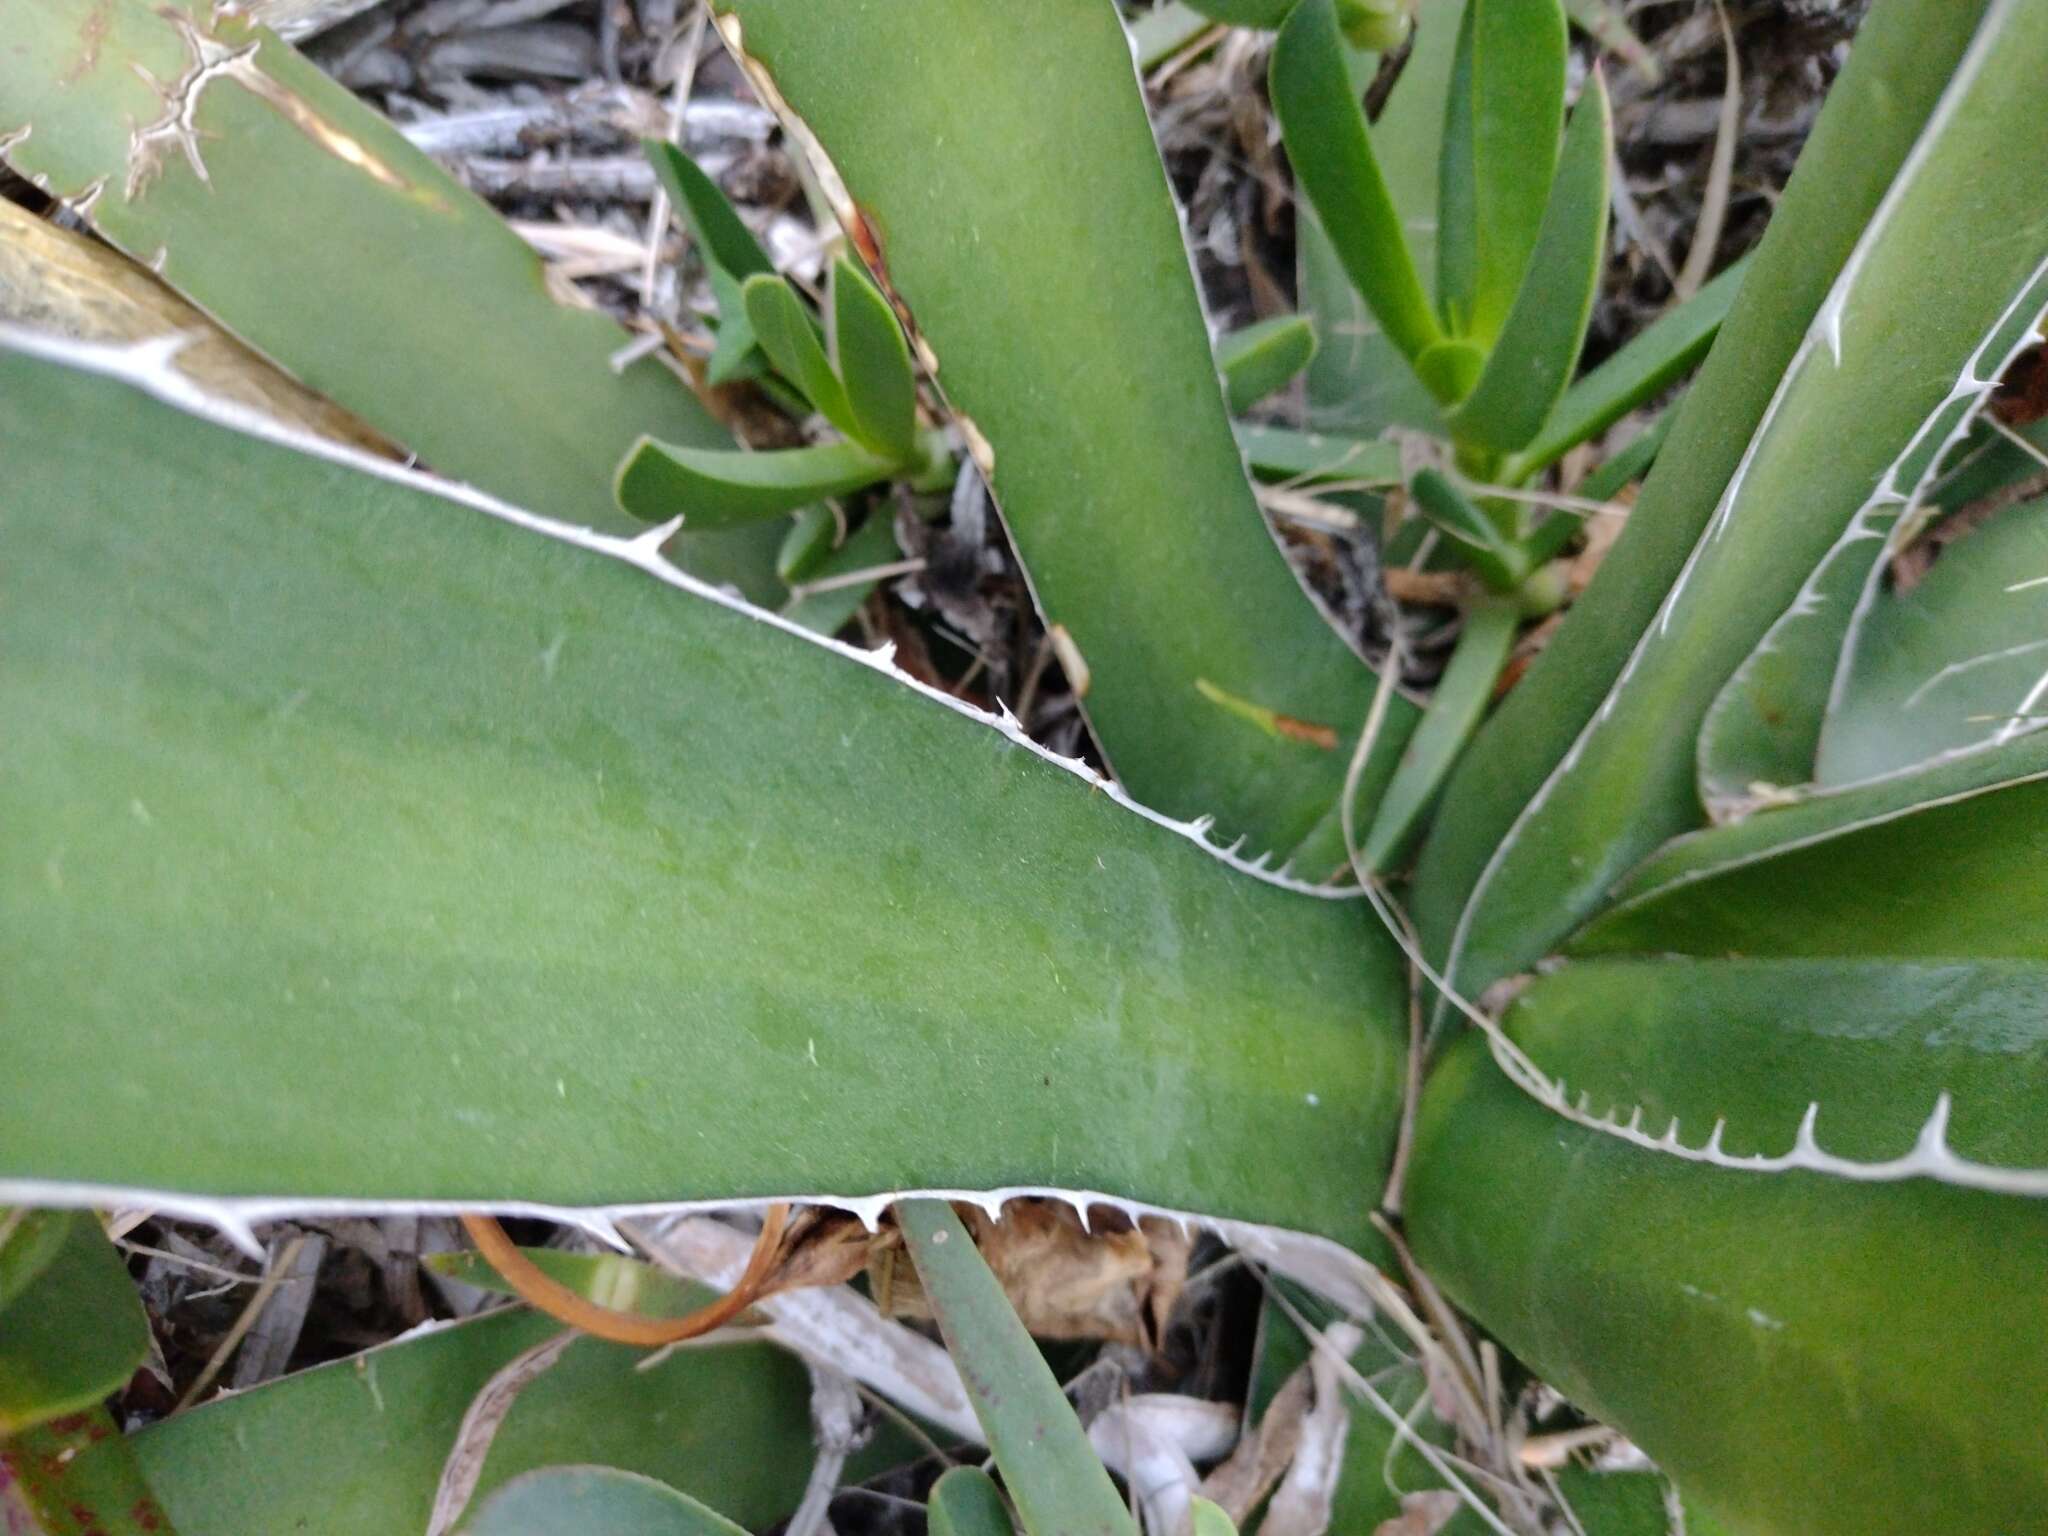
{"type": "Point", "coordinates": [358, 802]}
{"type": "Point", "coordinates": [1850, 1350]}
{"type": "Point", "coordinates": [1765, 729]}
{"type": "Point", "coordinates": [1957, 664]}
{"type": "Point", "coordinates": [1897, 329]}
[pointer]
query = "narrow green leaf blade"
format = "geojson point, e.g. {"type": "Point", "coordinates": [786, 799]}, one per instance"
{"type": "Point", "coordinates": [1665, 351]}
{"type": "Point", "coordinates": [1263, 358]}
{"type": "Point", "coordinates": [965, 1502]}
{"type": "Point", "coordinates": [1517, 105]}
{"type": "Point", "coordinates": [432, 320]}
{"type": "Point", "coordinates": [358, 1445]}
{"type": "Point", "coordinates": [251, 803]}
{"type": "Point", "coordinates": [826, 601]}
{"type": "Point", "coordinates": [1324, 128]}
{"type": "Point", "coordinates": [1454, 712]}
{"type": "Point", "coordinates": [721, 487]}
{"type": "Point", "coordinates": [73, 1334]}
{"type": "Point", "coordinates": [600, 1501]}
{"type": "Point", "coordinates": [1902, 327]}
{"type": "Point", "coordinates": [1903, 56]}
{"type": "Point", "coordinates": [77, 1476]}
{"type": "Point", "coordinates": [874, 361]}
{"type": "Point", "coordinates": [1473, 535]}
{"type": "Point", "coordinates": [1282, 453]}
{"type": "Point", "coordinates": [1052, 1472]}
{"type": "Point", "coordinates": [788, 334]}
{"type": "Point", "coordinates": [714, 224]}
{"type": "Point", "coordinates": [1538, 348]}
{"type": "Point", "coordinates": [1128, 501]}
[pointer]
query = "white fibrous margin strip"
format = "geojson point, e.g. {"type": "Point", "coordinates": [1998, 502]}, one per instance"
{"type": "Point", "coordinates": [147, 366]}
{"type": "Point", "coordinates": [2019, 327]}
{"type": "Point", "coordinates": [1825, 331]}
{"type": "Point", "coordinates": [1880, 515]}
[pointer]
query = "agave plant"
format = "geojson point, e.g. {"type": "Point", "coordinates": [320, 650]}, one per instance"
{"type": "Point", "coordinates": [393, 843]}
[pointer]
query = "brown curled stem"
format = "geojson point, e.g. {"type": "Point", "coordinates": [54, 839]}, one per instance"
{"type": "Point", "coordinates": [542, 1291]}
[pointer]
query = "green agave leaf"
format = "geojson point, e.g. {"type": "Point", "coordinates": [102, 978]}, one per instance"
{"type": "Point", "coordinates": [720, 487]}
{"type": "Point", "coordinates": [965, 1502]}
{"type": "Point", "coordinates": [1323, 124]}
{"type": "Point", "coordinates": [808, 542]}
{"type": "Point", "coordinates": [1957, 664]}
{"type": "Point", "coordinates": [1358, 382]}
{"type": "Point", "coordinates": [1881, 355]}
{"type": "Point", "coordinates": [1665, 351]}
{"type": "Point", "coordinates": [1263, 358]}
{"type": "Point", "coordinates": [1539, 341]}
{"type": "Point", "coordinates": [1823, 877]}
{"type": "Point", "coordinates": [1768, 724]}
{"type": "Point", "coordinates": [251, 803]}
{"type": "Point", "coordinates": [429, 309]}
{"type": "Point", "coordinates": [1985, 464]}
{"type": "Point", "coordinates": [1144, 543]}
{"type": "Point", "coordinates": [1504, 115]}
{"type": "Point", "coordinates": [1051, 1471]}
{"type": "Point", "coordinates": [722, 236]}
{"type": "Point", "coordinates": [1848, 1349]}
{"type": "Point", "coordinates": [1460, 699]}
{"type": "Point", "coordinates": [77, 1476]}
{"type": "Point", "coordinates": [1902, 58]}
{"type": "Point", "coordinates": [602, 1501]}
{"type": "Point", "coordinates": [72, 1334]}
{"type": "Point", "coordinates": [1281, 453]}
{"type": "Point", "coordinates": [789, 335]}
{"type": "Point", "coordinates": [869, 351]}
{"type": "Point", "coordinates": [609, 1279]}
{"type": "Point", "coordinates": [358, 1445]}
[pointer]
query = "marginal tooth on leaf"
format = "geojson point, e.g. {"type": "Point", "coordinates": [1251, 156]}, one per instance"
{"type": "Point", "coordinates": [1670, 1137]}
{"type": "Point", "coordinates": [1803, 1144]}
{"type": "Point", "coordinates": [599, 1225]}
{"type": "Point", "coordinates": [1933, 1141]}
{"type": "Point", "coordinates": [1635, 1121]}
{"type": "Point", "coordinates": [237, 1231]}
{"type": "Point", "coordinates": [1713, 1147]}
{"type": "Point", "coordinates": [1200, 826]}
{"type": "Point", "coordinates": [648, 544]}
{"type": "Point", "coordinates": [883, 657]}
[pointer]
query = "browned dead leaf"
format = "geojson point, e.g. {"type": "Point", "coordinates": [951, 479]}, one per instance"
{"type": "Point", "coordinates": [1116, 1282]}
{"type": "Point", "coordinates": [1263, 1456]}
{"type": "Point", "coordinates": [1430, 589]}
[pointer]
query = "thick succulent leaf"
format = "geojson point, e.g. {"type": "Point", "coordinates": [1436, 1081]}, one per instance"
{"type": "Point", "coordinates": [1944, 861]}
{"type": "Point", "coordinates": [358, 1445]}
{"type": "Point", "coordinates": [1053, 1473]}
{"type": "Point", "coordinates": [1358, 381]}
{"type": "Point", "coordinates": [788, 333]}
{"type": "Point", "coordinates": [1903, 55]}
{"type": "Point", "coordinates": [1741, 1051]}
{"type": "Point", "coordinates": [722, 238]}
{"type": "Point", "coordinates": [1262, 358]}
{"type": "Point", "coordinates": [1281, 453]}
{"type": "Point", "coordinates": [72, 1334]}
{"type": "Point", "coordinates": [1960, 662]}
{"type": "Point", "coordinates": [1474, 537]}
{"type": "Point", "coordinates": [1850, 1350]}
{"type": "Point", "coordinates": [594, 1501]}
{"type": "Point", "coordinates": [1898, 331]}
{"type": "Point", "coordinates": [206, 147]}
{"type": "Point", "coordinates": [1539, 341]}
{"type": "Point", "coordinates": [965, 1502]}
{"type": "Point", "coordinates": [1129, 506]}
{"type": "Point", "coordinates": [1665, 351]}
{"type": "Point", "coordinates": [869, 351]}
{"type": "Point", "coordinates": [1768, 725]}
{"type": "Point", "coordinates": [720, 487]}
{"type": "Point", "coordinates": [1323, 124]}
{"type": "Point", "coordinates": [1503, 118]}
{"type": "Point", "coordinates": [385, 810]}
{"type": "Point", "coordinates": [1455, 708]}
{"type": "Point", "coordinates": [29, 1241]}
